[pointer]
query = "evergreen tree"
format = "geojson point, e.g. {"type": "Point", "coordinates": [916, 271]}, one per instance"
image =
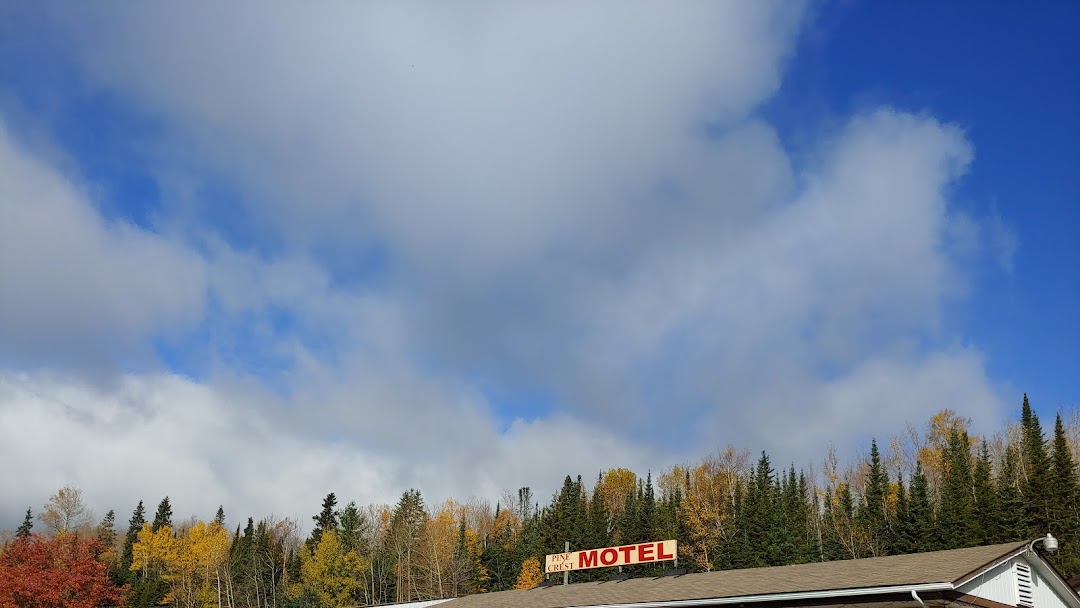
{"type": "Point", "coordinates": [901, 533]}
{"type": "Point", "coordinates": [846, 512]}
{"type": "Point", "coordinates": [26, 526]}
{"type": "Point", "coordinates": [874, 509]}
{"type": "Point", "coordinates": [219, 517]}
{"type": "Point", "coordinates": [599, 518]}
{"type": "Point", "coordinates": [802, 514]}
{"type": "Point", "coordinates": [1065, 497]}
{"type": "Point", "coordinates": [1036, 490]}
{"type": "Point", "coordinates": [783, 535]}
{"type": "Point", "coordinates": [987, 515]}
{"type": "Point", "coordinates": [735, 553]}
{"type": "Point", "coordinates": [1011, 517]}
{"type": "Point", "coordinates": [1065, 483]}
{"type": "Point", "coordinates": [327, 519]}
{"type": "Point", "coordinates": [106, 531]}
{"type": "Point", "coordinates": [648, 514]}
{"type": "Point", "coordinates": [922, 513]}
{"type": "Point", "coordinates": [956, 523]}
{"type": "Point", "coordinates": [759, 506]}
{"type": "Point", "coordinates": [354, 525]}
{"type": "Point", "coordinates": [138, 520]}
{"type": "Point", "coordinates": [163, 517]}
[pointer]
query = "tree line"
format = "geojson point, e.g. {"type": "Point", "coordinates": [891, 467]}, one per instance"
{"type": "Point", "coordinates": [933, 488]}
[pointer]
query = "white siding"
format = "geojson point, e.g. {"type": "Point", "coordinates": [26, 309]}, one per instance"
{"type": "Point", "coordinates": [999, 584]}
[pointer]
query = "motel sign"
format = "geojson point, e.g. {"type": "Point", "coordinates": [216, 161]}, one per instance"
{"type": "Point", "coordinates": [625, 555]}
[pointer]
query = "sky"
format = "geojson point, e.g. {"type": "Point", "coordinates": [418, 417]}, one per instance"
{"type": "Point", "coordinates": [254, 253]}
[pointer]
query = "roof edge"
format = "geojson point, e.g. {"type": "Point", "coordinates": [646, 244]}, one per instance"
{"type": "Point", "coordinates": [970, 576]}
{"type": "Point", "coordinates": [781, 597]}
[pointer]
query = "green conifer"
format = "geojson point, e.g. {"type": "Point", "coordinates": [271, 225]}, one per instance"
{"type": "Point", "coordinates": [163, 517]}
{"type": "Point", "coordinates": [327, 519]}
{"type": "Point", "coordinates": [1065, 500]}
{"type": "Point", "coordinates": [956, 516]}
{"type": "Point", "coordinates": [901, 532]}
{"type": "Point", "coordinates": [1011, 524]}
{"type": "Point", "coordinates": [26, 526]}
{"type": "Point", "coordinates": [987, 513]}
{"type": "Point", "coordinates": [1038, 508]}
{"type": "Point", "coordinates": [873, 512]}
{"type": "Point", "coordinates": [922, 513]}
{"type": "Point", "coordinates": [135, 524]}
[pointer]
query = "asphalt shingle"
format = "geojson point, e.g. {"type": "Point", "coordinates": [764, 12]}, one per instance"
{"type": "Point", "coordinates": [919, 568]}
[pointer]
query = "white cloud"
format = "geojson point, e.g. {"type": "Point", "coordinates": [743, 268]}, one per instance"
{"type": "Point", "coordinates": [578, 199]}
{"type": "Point", "coordinates": [76, 286]}
{"type": "Point", "coordinates": [144, 437]}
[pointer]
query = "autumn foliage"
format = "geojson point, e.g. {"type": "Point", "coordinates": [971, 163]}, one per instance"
{"type": "Point", "coordinates": [59, 572]}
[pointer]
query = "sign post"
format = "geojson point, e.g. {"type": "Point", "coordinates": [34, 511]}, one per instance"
{"type": "Point", "coordinates": [566, 573]}
{"type": "Point", "coordinates": [625, 555]}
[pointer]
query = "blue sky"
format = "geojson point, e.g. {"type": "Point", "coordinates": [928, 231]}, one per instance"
{"type": "Point", "coordinates": [1004, 75]}
{"type": "Point", "coordinates": [424, 245]}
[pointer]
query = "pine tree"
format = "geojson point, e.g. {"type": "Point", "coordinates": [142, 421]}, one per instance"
{"type": "Point", "coordinates": [874, 509]}
{"type": "Point", "coordinates": [759, 506]}
{"type": "Point", "coordinates": [163, 517]}
{"type": "Point", "coordinates": [956, 517]}
{"type": "Point", "coordinates": [648, 514]}
{"type": "Point", "coordinates": [1011, 524]}
{"type": "Point", "coordinates": [138, 520]}
{"type": "Point", "coordinates": [902, 531]}
{"type": "Point", "coordinates": [219, 517]}
{"type": "Point", "coordinates": [922, 513]}
{"type": "Point", "coordinates": [1037, 500]}
{"type": "Point", "coordinates": [106, 531]}
{"type": "Point", "coordinates": [987, 515]}
{"type": "Point", "coordinates": [353, 526]}
{"type": "Point", "coordinates": [327, 519]}
{"type": "Point", "coordinates": [1065, 497]}
{"type": "Point", "coordinates": [26, 526]}
{"type": "Point", "coordinates": [599, 519]}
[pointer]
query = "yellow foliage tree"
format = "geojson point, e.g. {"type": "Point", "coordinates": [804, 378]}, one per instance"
{"type": "Point", "coordinates": [153, 550]}
{"type": "Point", "coordinates": [196, 568]}
{"type": "Point", "coordinates": [333, 575]}
{"type": "Point", "coordinates": [614, 487]}
{"type": "Point", "coordinates": [530, 575]}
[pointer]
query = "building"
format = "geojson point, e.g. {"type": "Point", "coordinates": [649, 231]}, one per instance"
{"type": "Point", "coordinates": [996, 576]}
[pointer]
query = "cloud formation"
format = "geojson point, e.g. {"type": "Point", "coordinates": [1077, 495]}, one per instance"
{"type": "Point", "coordinates": [581, 203]}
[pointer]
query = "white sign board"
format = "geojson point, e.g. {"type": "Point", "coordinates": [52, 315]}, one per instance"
{"type": "Point", "coordinates": [624, 555]}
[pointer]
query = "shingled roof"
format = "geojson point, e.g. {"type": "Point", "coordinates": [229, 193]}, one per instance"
{"type": "Point", "coordinates": [944, 568]}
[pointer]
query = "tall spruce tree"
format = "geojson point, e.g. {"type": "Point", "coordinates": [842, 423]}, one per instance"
{"type": "Point", "coordinates": [956, 523]}
{"type": "Point", "coordinates": [135, 524]}
{"type": "Point", "coordinates": [26, 526]}
{"type": "Point", "coordinates": [1037, 500]}
{"type": "Point", "coordinates": [106, 531]}
{"type": "Point", "coordinates": [1065, 498]}
{"type": "Point", "coordinates": [987, 513]}
{"type": "Point", "coordinates": [219, 517]}
{"type": "Point", "coordinates": [163, 517]}
{"type": "Point", "coordinates": [873, 512]}
{"type": "Point", "coordinates": [327, 519]}
{"type": "Point", "coordinates": [901, 532]}
{"type": "Point", "coordinates": [922, 513]}
{"type": "Point", "coordinates": [1011, 524]}
{"type": "Point", "coordinates": [599, 518]}
{"type": "Point", "coordinates": [354, 525]}
{"type": "Point", "coordinates": [759, 507]}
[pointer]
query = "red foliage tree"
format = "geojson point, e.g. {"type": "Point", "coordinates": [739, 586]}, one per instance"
{"type": "Point", "coordinates": [59, 572]}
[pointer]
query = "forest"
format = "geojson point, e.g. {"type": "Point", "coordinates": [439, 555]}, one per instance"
{"type": "Point", "coordinates": [928, 488]}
